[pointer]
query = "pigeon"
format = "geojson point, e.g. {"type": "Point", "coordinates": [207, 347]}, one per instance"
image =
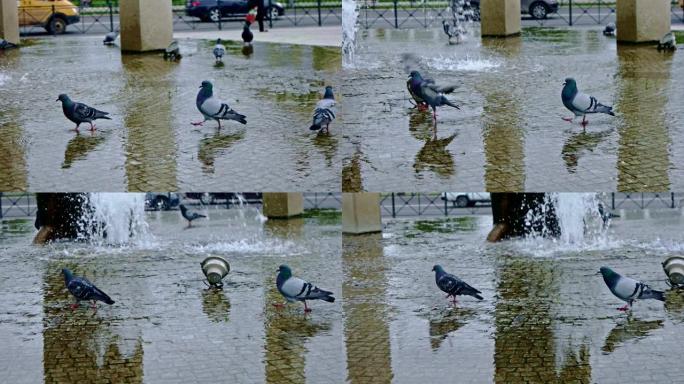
{"type": "Point", "coordinates": [609, 30]}
{"type": "Point", "coordinates": [668, 42]}
{"type": "Point", "coordinates": [452, 31]}
{"type": "Point", "coordinates": [433, 95]}
{"type": "Point", "coordinates": [627, 289]}
{"type": "Point", "coordinates": [324, 113]}
{"type": "Point", "coordinates": [80, 113]}
{"type": "Point", "coordinates": [219, 51]}
{"type": "Point", "coordinates": [110, 38]}
{"type": "Point", "coordinates": [4, 44]}
{"type": "Point", "coordinates": [413, 85]}
{"type": "Point", "coordinates": [189, 216]}
{"type": "Point", "coordinates": [247, 35]}
{"type": "Point", "coordinates": [581, 104]}
{"type": "Point", "coordinates": [296, 289]}
{"type": "Point", "coordinates": [82, 289]}
{"type": "Point", "coordinates": [213, 108]}
{"type": "Point", "coordinates": [172, 52]}
{"type": "Point", "coordinates": [452, 285]}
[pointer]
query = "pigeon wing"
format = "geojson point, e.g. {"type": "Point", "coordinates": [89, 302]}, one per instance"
{"type": "Point", "coordinates": [448, 283]}
{"type": "Point", "coordinates": [81, 288]}
{"type": "Point", "coordinates": [324, 112]}
{"type": "Point", "coordinates": [293, 287]}
{"type": "Point", "coordinates": [85, 113]}
{"type": "Point", "coordinates": [626, 288]}
{"type": "Point", "coordinates": [584, 103]}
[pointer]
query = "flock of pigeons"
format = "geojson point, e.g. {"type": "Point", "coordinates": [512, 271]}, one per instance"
{"type": "Point", "coordinates": [209, 106]}
{"type": "Point", "coordinates": [295, 289]}
{"type": "Point", "coordinates": [427, 94]}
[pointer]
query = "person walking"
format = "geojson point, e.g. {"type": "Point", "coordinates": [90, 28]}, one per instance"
{"type": "Point", "coordinates": [261, 12]}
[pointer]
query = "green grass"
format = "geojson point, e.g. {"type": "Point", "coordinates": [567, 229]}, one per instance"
{"type": "Point", "coordinates": [325, 216]}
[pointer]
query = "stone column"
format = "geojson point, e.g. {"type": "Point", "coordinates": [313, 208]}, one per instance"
{"type": "Point", "coordinates": [500, 17]}
{"type": "Point", "coordinates": [9, 21]}
{"type": "Point", "coordinates": [283, 205]}
{"type": "Point", "coordinates": [146, 25]}
{"type": "Point", "coordinates": [361, 213]}
{"type": "Point", "coordinates": [641, 21]}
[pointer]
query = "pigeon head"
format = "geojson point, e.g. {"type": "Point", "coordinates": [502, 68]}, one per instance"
{"type": "Point", "coordinates": [63, 98]}
{"type": "Point", "coordinates": [218, 41]}
{"type": "Point", "coordinates": [605, 271]}
{"type": "Point", "coordinates": [437, 268]}
{"type": "Point", "coordinates": [284, 271]}
{"type": "Point", "coordinates": [415, 75]}
{"type": "Point", "coordinates": [570, 82]}
{"type": "Point", "coordinates": [329, 93]}
{"type": "Point", "coordinates": [182, 208]}
{"type": "Point", "coordinates": [67, 275]}
{"type": "Point", "coordinates": [609, 276]}
{"type": "Point", "coordinates": [206, 84]}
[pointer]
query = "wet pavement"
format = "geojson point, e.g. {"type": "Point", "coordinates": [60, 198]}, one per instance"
{"type": "Point", "coordinates": [508, 135]}
{"type": "Point", "coordinates": [165, 326]}
{"type": "Point", "coordinates": [150, 144]}
{"type": "Point", "coordinates": [546, 316]}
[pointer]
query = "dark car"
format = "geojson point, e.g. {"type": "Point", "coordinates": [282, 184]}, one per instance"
{"type": "Point", "coordinates": [229, 197]}
{"type": "Point", "coordinates": [213, 10]}
{"type": "Point", "coordinates": [538, 9]}
{"type": "Point", "coordinates": [161, 201]}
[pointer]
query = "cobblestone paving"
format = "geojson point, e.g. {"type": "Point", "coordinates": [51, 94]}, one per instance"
{"type": "Point", "coordinates": [150, 144]}
{"type": "Point", "coordinates": [165, 326]}
{"type": "Point", "coordinates": [546, 316]}
{"type": "Point", "coordinates": [508, 135]}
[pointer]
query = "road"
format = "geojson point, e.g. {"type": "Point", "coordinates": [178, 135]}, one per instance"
{"type": "Point", "coordinates": [101, 23]}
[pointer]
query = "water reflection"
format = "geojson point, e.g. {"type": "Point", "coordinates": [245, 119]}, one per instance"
{"type": "Point", "coordinates": [643, 155]}
{"type": "Point", "coordinates": [151, 146]}
{"type": "Point", "coordinates": [577, 144]}
{"type": "Point", "coordinates": [631, 330]}
{"type": "Point", "coordinates": [13, 174]}
{"type": "Point", "coordinates": [78, 346]}
{"type": "Point", "coordinates": [364, 298]}
{"type": "Point", "coordinates": [434, 156]}
{"type": "Point", "coordinates": [287, 332]}
{"type": "Point", "coordinates": [216, 305]}
{"type": "Point", "coordinates": [446, 322]}
{"type": "Point", "coordinates": [327, 144]}
{"type": "Point", "coordinates": [525, 347]}
{"type": "Point", "coordinates": [214, 146]}
{"type": "Point", "coordinates": [286, 229]}
{"type": "Point", "coordinates": [351, 174]}
{"type": "Point", "coordinates": [79, 147]}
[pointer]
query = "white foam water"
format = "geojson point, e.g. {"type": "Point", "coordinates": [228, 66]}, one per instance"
{"type": "Point", "coordinates": [116, 219]}
{"type": "Point", "coordinates": [350, 14]}
{"type": "Point", "coordinates": [468, 64]}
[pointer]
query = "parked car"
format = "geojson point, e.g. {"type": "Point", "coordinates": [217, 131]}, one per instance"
{"type": "Point", "coordinates": [161, 201]}
{"type": "Point", "coordinates": [229, 197]}
{"type": "Point", "coordinates": [538, 9]}
{"type": "Point", "coordinates": [213, 10]}
{"type": "Point", "coordinates": [465, 199]}
{"type": "Point", "coordinates": [53, 15]}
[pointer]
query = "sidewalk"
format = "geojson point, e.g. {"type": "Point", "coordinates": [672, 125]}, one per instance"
{"type": "Point", "coordinates": [318, 36]}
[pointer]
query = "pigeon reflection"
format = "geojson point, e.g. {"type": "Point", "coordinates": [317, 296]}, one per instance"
{"type": "Point", "coordinates": [446, 323]}
{"type": "Point", "coordinates": [580, 143]}
{"type": "Point", "coordinates": [633, 329]}
{"type": "Point", "coordinates": [79, 147]}
{"type": "Point", "coordinates": [214, 146]}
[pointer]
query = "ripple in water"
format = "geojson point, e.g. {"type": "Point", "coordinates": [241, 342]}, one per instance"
{"type": "Point", "coordinates": [468, 64]}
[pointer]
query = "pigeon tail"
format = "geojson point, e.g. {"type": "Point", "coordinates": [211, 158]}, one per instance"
{"type": "Point", "coordinates": [605, 109]}
{"type": "Point", "coordinates": [329, 299]}
{"type": "Point", "coordinates": [653, 294]}
{"type": "Point", "coordinates": [446, 101]}
{"type": "Point", "coordinates": [315, 127]}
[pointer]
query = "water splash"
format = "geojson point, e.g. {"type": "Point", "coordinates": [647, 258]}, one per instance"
{"type": "Point", "coordinates": [468, 64]}
{"type": "Point", "coordinates": [4, 78]}
{"type": "Point", "coordinates": [116, 219]}
{"type": "Point", "coordinates": [350, 13]}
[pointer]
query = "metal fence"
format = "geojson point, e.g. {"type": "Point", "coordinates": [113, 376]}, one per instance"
{"type": "Point", "coordinates": [17, 205]}
{"type": "Point", "coordinates": [433, 204]}
{"type": "Point", "coordinates": [104, 17]}
{"type": "Point", "coordinates": [429, 13]}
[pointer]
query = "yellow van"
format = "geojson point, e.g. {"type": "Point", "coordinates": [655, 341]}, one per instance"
{"type": "Point", "coordinates": [53, 15]}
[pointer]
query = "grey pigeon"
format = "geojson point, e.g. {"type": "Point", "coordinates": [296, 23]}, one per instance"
{"type": "Point", "coordinates": [668, 42]}
{"type": "Point", "coordinates": [110, 38]}
{"type": "Point", "coordinates": [172, 52]}
{"type": "Point", "coordinates": [82, 289]}
{"type": "Point", "coordinates": [189, 216]}
{"type": "Point", "coordinates": [80, 113]}
{"type": "Point", "coordinates": [609, 30]}
{"type": "Point", "coordinates": [627, 289]}
{"type": "Point", "coordinates": [213, 108]}
{"type": "Point", "coordinates": [219, 51]}
{"type": "Point", "coordinates": [433, 95]}
{"type": "Point", "coordinates": [452, 285]}
{"type": "Point", "coordinates": [324, 114]}
{"type": "Point", "coordinates": [453, 31]}
{"type": "Point", "coordinates": [413, 85]}
{"type": "Point", "coordinates": [295, 289]}
{"type": "Point", "coordinates": [4, 44]}
{"type": "Point", "coordinates": [581, 104]}
{"type": "Point", "coordinates": [247, 35]}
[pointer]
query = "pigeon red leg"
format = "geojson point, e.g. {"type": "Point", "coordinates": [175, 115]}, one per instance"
{"type": "Point", "coordinates": [568, 119]}
{"type": "Point", "coordinates": [92, 127]}
{"type": "Point", "coordinates": [73, 306]}
{"type": "Point", "coordinates": [624, 309]}
{"type": "Point", "coordinates": [279, 305]}
{"type": "Point", "coordinates": [93, 305]}
{"type": "Point", "coordinates": [196, 123]}
{"type": "Point", "coordinates": [306, 308]}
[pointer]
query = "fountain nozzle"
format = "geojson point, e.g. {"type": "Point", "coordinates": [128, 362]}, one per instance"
{"type": "Point", "coordinates": [674, 269]}
{"type": "Point", "coordinates": [215, 268]}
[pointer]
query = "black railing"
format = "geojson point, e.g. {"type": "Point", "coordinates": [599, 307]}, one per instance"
{"type": "Point", "coordinates": [17, 205]}
{"type": "Point", "coordinates": [430, 13]}
{"type": "Point", "coordinates": [102, 16]}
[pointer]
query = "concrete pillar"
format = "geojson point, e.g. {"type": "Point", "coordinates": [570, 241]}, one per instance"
{"type": "Point", "coordinates": [146, 25]}
{"type": "Point", "coordinates": [9, 21]}
{"type": "Point", "coordinates": [500, 17]}
{"type": "Point", "coordinates": [642, 21]}
{"type": "Point", "coordinates": [361, 213]}
{"type": "Point", "coordinates": [283, 205]}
